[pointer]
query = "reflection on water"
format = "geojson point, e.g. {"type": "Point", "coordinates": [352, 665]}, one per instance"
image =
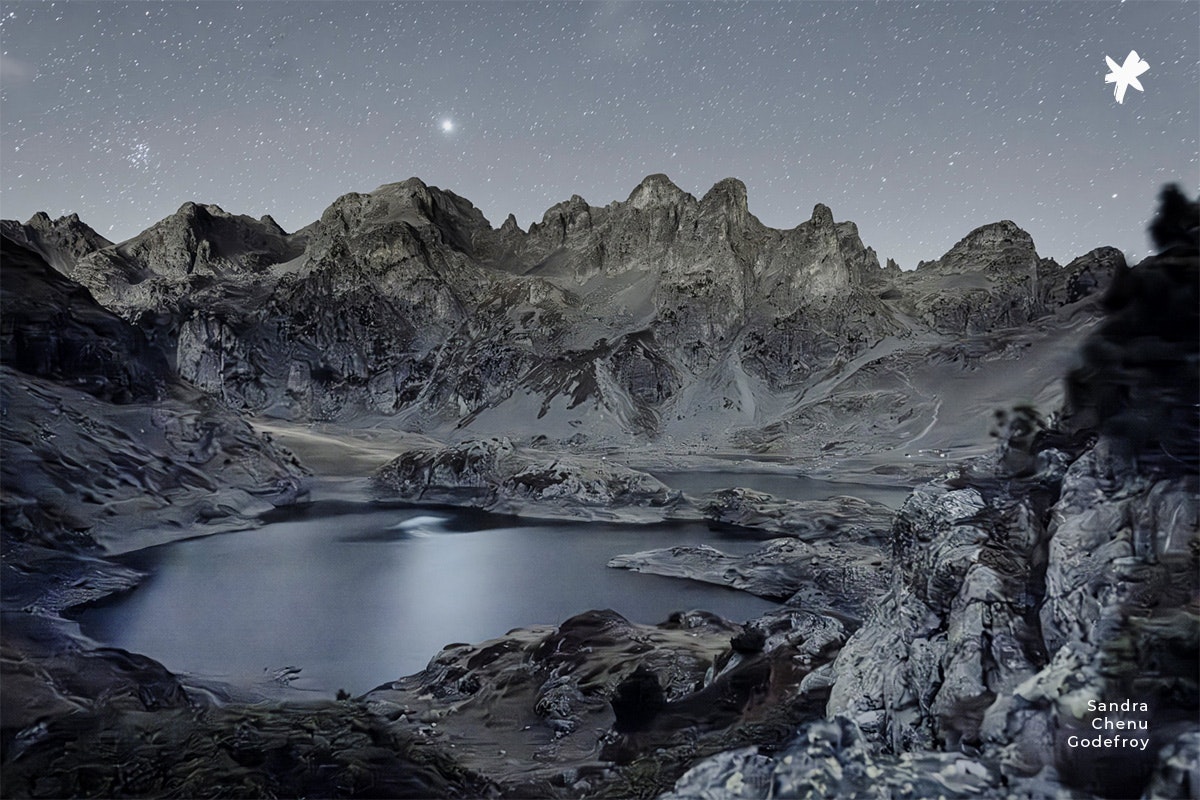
{"type": "Point", "coordinates": [361, 598]}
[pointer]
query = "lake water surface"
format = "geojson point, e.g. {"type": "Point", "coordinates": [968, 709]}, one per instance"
{"type": "Point", "coordinates": [359, 595]}
{"type": "Point", "coordinates": [358, 599]}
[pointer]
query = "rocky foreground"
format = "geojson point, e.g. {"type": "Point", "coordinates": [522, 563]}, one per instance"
{"type": "Point", "coordinates": [963, 646]}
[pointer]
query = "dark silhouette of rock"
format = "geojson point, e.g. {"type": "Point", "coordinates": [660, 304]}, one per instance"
{"type": "Point", "coordinates": [637, 701]}
{"type": "Point", "coordinates": [1177, 222]}
{"type": "Point", "coordinates": [50, 327]}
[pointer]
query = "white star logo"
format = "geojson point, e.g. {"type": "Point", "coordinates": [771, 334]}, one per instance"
{"type": "Point", "coordinates": [1126, 74]}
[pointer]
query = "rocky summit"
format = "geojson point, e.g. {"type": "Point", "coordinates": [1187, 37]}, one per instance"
{"type": "Point", "coordinates": [1022, 624]}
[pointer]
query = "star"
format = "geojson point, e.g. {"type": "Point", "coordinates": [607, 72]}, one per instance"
{"type": "Point", "coordinates": [1125, 75]}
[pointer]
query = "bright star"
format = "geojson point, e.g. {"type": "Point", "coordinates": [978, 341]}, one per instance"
{"type": "Point", "coordinates": [1125, 75]}
{"type": "Point", "coordinates": [448, 125]}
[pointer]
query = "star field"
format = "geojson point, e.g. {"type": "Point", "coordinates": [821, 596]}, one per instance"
{"type": "Point", "coordinates": [918, 121]}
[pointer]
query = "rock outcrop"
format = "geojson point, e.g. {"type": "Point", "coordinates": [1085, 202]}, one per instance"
{"type": "Point", "coordinates": [494, 475]}
{"type": "Point", "coordinates": [993, 278]}
{"type": "Point", "coordinates": [833, 557]}
{"type": "Point", "coordinates": [1040, 596]}
{"type": "Point", "coordinates": [961, 654]}
{"type": "Point", "coordinates": [163, 268]}
{"type": "Point", "coordinates": [52, 328]}
{"type": "Point", "coordinates": [106, 450]}
{"type": "Point", "coordinates": [657, 696]}
{"type": "Point", "coordinates": [830, 760]}
{"type": "Point", "coordinates": [844, 579]}
{"type": "Point", "coordinates": [844, 518]}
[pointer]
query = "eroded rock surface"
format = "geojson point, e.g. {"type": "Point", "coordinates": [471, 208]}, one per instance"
{"type": "Point", "coordinates": [1037, 595]}
{"type": "Point", "coordinates": [1018, 588]}
{"type": "Point", "coordinates": [832, 760]}
{"type": "Point", "coordinates": [105, 450]}
{"type": "Point", "coordinates": [844, 518]}
{"type": "Point", "coordinates": [833, 555]}
{"type": "Point", "coordinates": [842, 578]}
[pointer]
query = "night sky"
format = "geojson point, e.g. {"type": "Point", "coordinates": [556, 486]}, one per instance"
{"type": "Point", "coordinates": [918, 121]}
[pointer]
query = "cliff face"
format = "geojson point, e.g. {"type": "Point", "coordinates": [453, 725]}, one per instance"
{"type": "Point", "coordinates": [660, 317]}
{"type": "Point", "coordinates": [52, 328]}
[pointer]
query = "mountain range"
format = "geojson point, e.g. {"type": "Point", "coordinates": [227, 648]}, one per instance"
{"type": "Point", "coordinates": [663, 319]}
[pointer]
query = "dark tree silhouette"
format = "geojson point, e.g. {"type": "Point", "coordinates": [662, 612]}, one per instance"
{"type": "Point", "coordinates": [1139, 382]}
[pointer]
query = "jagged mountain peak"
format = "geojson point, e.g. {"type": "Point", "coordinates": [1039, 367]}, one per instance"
{"type": "Point", "coordinates": [576, 203]}
{"type": "Point", "coordinates": [440, 213]}
{"type": "Point", "coordinates": [413, 184]}
{"type": "Point", "coordinates": [644, 312]}
{"type": "Point", "coordinates": [192, 210]}
{"type": "Point", "coordinates": [61, 242]}
{"type": "Point", "coordinates": [270, 224]}
{"type": "Point", "coordinates": [657, 190]}
{"type": "Point", "coordinates": [412, 192]}
{"type": "Point", "coordinates": [1003, 232]}
{"type": "Point", "coordinates": [199, 245]}
{"type": "Point", "coordinates": [992, 230]}
{"type": "Point", "coordinates": [42, 220]}
{"type": "Point", "coordinates": [563, 217]}
{"type": "Point", "coordinates": [822, 216]}
{"type": "Point", "coordinates": [194, 223]}
{"type": "Point", "coordinates": [409, 195]}
{"type": "Point", "coordinates": [996, 245]}
{"type": "Point", "coordinates": [727, 194]}
{"type": "Point", "coordinates": [510, 225]}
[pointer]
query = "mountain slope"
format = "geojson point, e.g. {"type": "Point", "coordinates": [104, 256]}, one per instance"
{"type": "Point", "coordinates": [103, 445]}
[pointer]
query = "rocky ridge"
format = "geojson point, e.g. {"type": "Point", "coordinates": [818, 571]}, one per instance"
{"type": "Point", "coordinates": [60, 242]}
{"type": "Point", "coordinates": [661, 318]}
